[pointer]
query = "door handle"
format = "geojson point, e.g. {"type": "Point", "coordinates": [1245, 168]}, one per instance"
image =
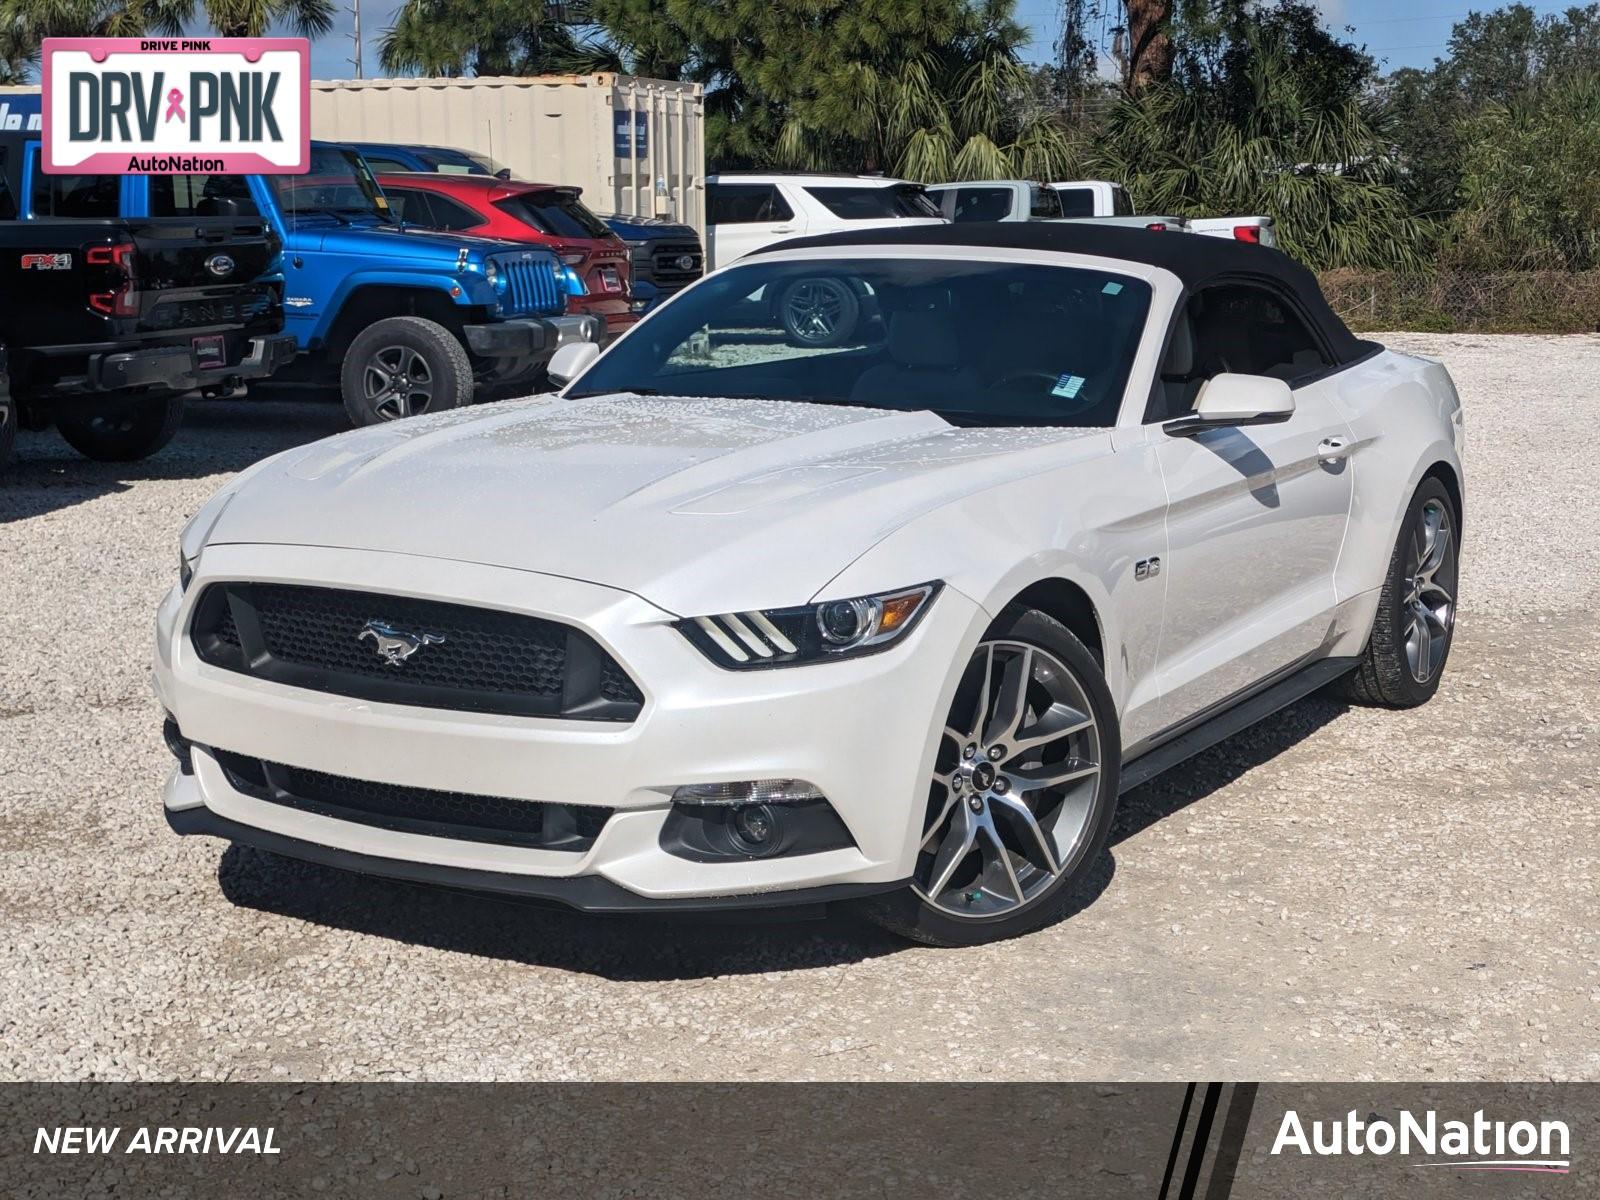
{"type": "Point", "coordinates": [784, 229]}
{"type": "Point", "coordinates": [1331, 450]}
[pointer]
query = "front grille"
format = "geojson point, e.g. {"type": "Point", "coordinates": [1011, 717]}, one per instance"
{"type": "Point", "coordinates": [459, 815]}
{"type": "Point", "coordinates": [402, 650]}
{"type": "Point", "coordinates": [659, 262]}
{"type": "Point", "coordinates": [533, 283]}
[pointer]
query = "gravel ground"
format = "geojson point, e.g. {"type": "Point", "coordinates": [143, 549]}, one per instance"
{"type": "Point", "coordinates": [1336, 894]}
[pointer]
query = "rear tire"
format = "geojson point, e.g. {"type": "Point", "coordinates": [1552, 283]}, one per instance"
{"type": "Point", "coordinates": [126, 434]}
{"type": "Point", "coordinates": [1415, 625]}
{"type": "Point", "coordinates": [8, 423]}
{"type": "Point", "coordinates": [1000, 858]}
{"type": "Point", "coordinates": [403, 367]}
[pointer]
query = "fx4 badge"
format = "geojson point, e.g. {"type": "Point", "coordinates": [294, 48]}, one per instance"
{"type": "Point", "coordinates": [47, 262]}
{"type": "Point", "coordinates": [1147, 568]}
{"type": "Point", "coordinates": [393, 645]}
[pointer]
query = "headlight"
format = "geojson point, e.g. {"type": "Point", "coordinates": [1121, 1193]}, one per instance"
{"type": "Point", "coordinates": [185, 570]}
{"type": "Point", "coordinates": [572, 283]}
{"type": "Point", "coordinates": [492, 274]}
{"type": "Point", "coordinates": [784, 637]}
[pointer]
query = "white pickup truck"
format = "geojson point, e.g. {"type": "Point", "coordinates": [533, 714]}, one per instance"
{"type": "Point", "coordinates": [1098, 199]}
{"type": "Point", "coordinates": [1080, 200]}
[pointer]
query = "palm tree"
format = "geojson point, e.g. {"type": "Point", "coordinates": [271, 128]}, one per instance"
{"type": "Point", "coordinates": [1321, 165]}
{"type": "Point", "coordinates": [32, 20]}
{"type": "Point", "coordinates": [487, 37]}
{"type": "Point", "coordinates": [18, 54]}
{"type": "Point", "coordinates": [951, 105]}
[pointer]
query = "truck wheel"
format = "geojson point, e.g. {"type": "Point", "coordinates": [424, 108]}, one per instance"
{"type": "Point", "coordinates": [819, 312]}
{"type": "Point", "coordinates": [8, 423]}
{"type": "Point", "coordinates": [127, 434]}
{"type": "Point", "coordinates": [401, 367]}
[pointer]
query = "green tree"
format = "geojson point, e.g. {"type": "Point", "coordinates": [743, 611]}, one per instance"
{"type": "Point", "coordinates": [931, 89]}
{"type": "Point", "coordinates": [1268, 136]}
{"type": "Point", "coordinates": [18, 54]}
{"type": "Point", "coordinates": [1493, 59]}
{"type": "Point", "coordinates": [487, 37]}
{"type": "Point", "coordinates": [30, 21]}
{"type": "Point", "coordinates": [1530, 180]}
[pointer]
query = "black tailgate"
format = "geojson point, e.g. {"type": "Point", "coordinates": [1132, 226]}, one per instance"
{"type": "Point", "coordinates": [207, 274]}
{"type": "Point", "coordinates": [189, 252]}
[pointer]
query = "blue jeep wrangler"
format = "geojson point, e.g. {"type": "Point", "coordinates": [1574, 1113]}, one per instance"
{"type": "Point", "coordinates": [404, 320]}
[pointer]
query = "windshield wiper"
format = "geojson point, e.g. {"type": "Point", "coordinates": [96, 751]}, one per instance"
{"type": "Point", "coordinates": [636, 391]}
{"type": "Point", "coordinates": [626, 391]}
{"type": "Point", "coordinates": [336, 214]}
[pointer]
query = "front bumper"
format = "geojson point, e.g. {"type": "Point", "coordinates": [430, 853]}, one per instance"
{"type": "Point", "coordinates": [864, 731]}
{"type": "Point", "coordinates": [528, 337]}
{"type": "Point", "coordinates": [177, 367]}
{"type": "Point", "coordinates": [586, 893]}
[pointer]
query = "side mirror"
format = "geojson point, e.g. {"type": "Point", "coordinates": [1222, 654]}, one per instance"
{"type": "Point", "coordinates": [570, 361]}
{"type": "Point", "coordinates": [503, 174]}
{"type": "Point", "coordinates": [1226, 401]}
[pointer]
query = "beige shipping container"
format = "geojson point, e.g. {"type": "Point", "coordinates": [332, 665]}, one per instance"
{"type": "Point", "coordinates": [634, 145]}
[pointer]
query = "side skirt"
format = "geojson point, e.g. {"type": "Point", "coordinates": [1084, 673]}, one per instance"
{"type": "Point", "coordinates": [1238, 716]}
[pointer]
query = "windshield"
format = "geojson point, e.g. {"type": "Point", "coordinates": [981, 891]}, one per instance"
{"type": "Point", "coordinates": [979, 343]}
{"type": "Point", "coordinates": [982, 204]}
{"type": "Point", "coordinates": [338, 185]}
{"type": "Point", "coordinates": [484, 163]}
{"type": "Point", "coordinates": [858, 203]}
{"type": "Point", "coordinates": [556, 211]}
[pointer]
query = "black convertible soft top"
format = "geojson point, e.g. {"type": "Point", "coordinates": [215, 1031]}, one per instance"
{"type": "Point", "coordinates": [1194, 258]}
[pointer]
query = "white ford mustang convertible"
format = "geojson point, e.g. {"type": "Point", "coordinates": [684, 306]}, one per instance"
{"type": "Point", "coordinates": [887, 611]}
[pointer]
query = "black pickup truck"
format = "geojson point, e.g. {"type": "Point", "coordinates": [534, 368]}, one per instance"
{"type": "Point", "coordinates": [105, 324]}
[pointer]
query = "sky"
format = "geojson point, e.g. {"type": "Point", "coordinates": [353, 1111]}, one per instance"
{"type": "Point", "coordinates": [1398, 34]}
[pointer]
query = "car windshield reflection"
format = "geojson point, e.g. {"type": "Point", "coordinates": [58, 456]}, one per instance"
{"type": "Point", "coordinates": [979, 343]}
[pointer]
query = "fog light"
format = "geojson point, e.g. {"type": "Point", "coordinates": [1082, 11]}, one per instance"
{"type": "Point", "coordinates": [755, 791]}
{"type": "Point", "coordinates": [754, 825]}
{"type": "Point", "coordinates": [737, 822]}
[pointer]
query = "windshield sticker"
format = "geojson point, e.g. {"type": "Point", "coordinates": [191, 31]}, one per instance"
{"type": "Point", "coordinates": [1068, 386]}
{"type": "Point", "coordinates": [1112, 289]}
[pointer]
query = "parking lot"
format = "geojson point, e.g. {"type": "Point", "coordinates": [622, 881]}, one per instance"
{"type": "Point", "coordinates": [1338, 893]}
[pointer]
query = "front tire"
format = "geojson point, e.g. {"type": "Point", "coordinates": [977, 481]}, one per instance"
{"type": "Point", "coordinates": [402, 367]}
{"type": "Point", "coordinates": [1023, 794]}
{"type": "Point", "coordinates": [1412, 633]}
{"type": "Point", "coordinates": [125, 434]}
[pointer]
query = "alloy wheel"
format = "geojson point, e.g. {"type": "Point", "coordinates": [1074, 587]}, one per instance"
{"type": "Point", "coordinates": [1430, 610]}
{"type": "Point", "coordinates": [1014, 783]}
{"type": "Point", "coordinates": [814, 308]}
{"type": "Point", "coordinates": [397, 382]}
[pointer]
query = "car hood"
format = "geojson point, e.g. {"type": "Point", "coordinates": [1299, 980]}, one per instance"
{"type": "Point", "coordinates": [409, 242]}
{"type": "Point", "coordinates": [693, 504]}
{"type": "Point", "coordinates": [647, 229]}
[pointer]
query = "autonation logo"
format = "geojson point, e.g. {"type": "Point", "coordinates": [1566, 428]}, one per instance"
{"type": "Point", "coordinates": [1478, 1145]}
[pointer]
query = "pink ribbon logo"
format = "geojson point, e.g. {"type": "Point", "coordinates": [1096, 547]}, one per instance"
{"type": "Point", "coordinates": [175, 105]}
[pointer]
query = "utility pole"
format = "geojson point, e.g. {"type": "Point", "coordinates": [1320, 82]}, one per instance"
{"type": "Point", "coordinates": [355, 9]}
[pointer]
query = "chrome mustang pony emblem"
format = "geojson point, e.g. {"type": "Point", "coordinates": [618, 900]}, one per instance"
{"type": "Point", "coordinates": [393, 645]}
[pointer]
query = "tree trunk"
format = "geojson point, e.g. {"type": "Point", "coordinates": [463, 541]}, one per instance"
{"type": "Point", "coordinates": [1149, 44]}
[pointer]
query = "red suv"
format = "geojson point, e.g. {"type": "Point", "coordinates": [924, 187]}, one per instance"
{"type": "Point", "coordinates": [539, 213]}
